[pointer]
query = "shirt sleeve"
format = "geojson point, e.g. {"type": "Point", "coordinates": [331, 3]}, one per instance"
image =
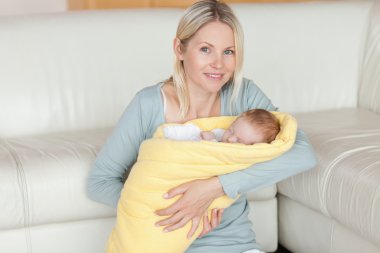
{"type": "Point", "coordinates": [117, 156]}
{"type": "Point", "coordinates": [298, 159]}
{"type": "Point", "coordinates": [187, 132]}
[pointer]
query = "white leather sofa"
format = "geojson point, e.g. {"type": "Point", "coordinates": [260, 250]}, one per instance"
{"type": "Point", "coordinates": [66, 78]}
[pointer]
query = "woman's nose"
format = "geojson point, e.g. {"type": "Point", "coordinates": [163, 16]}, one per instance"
{"type": "Point", "coordinates": [217, 62]}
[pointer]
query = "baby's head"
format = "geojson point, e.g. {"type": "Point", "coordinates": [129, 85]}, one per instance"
{"type": "Point", "coordinates": [253, 126]}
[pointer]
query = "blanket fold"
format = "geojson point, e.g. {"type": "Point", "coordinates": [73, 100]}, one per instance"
{"type": "Point", "coordinates": [163, 164]}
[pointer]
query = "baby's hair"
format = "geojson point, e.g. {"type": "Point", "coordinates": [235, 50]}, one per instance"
{"type": "Point", "coordinates": [264, 121]}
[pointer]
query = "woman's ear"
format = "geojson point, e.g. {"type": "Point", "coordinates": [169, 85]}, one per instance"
{"type": "Point", "coordinates": [177, 49]}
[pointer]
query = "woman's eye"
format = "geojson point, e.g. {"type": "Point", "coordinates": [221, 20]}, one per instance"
{"type": "Point", "coordinates": [228, 52]}
{"type": "Point", "coordinates": [205, 50]}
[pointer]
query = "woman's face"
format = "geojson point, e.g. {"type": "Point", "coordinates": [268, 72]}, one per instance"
{"type": "Point", "coordinates": [209, 57]}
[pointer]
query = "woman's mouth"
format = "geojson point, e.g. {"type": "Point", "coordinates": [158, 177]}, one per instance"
{"type": "Point", "coordinates": [214, 76]}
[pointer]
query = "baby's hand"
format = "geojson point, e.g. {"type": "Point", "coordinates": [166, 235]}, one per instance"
{"type": "Point", "coordinates": [207, 135]}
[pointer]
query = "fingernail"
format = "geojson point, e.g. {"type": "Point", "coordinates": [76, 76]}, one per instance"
{"type": "Point", "coordinates": [214, 210]}
{"type": "Point", "coordinates": [166, 195]}
{"type": "Point", "coordinates": [157, 225]}
{"type": "Point", "coordinates": [166, 230]}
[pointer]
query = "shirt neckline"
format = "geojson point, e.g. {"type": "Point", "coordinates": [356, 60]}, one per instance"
{"type": "Point", "coordinates": [163, 104]}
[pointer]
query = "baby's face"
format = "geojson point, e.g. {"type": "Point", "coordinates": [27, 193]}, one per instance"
{"type": "Point", "coordinates": [241, 131]}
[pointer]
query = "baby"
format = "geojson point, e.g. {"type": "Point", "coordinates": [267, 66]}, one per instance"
{"type": "Point", "coordinates": [253, 126]}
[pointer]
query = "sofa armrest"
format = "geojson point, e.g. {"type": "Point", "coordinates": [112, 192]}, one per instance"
{"type": "Point", "coordinates": [369, 90]}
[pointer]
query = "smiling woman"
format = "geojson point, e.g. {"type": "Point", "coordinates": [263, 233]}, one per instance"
{"type": "Point", "coordinates": [206, 82]}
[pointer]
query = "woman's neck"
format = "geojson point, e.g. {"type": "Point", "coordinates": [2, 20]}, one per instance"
{"type": "Point", "coordinates": [201, 105]}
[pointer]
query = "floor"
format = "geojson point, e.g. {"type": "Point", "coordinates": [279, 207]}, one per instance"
{"type": "Point", "coordinates": [282, 250]}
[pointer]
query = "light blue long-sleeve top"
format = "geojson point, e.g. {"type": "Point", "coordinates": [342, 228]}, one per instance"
{"type": "Point", "coordinates": [139, 121]}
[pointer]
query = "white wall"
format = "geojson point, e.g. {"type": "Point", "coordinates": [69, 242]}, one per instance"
{"type": "Point", "coordinates": [24, 7]}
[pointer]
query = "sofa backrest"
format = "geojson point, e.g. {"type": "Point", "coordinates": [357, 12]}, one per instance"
{"type": "Point", "coordinates": [79, 70]}
{"type": "Point", "coordinates": [306, 56]}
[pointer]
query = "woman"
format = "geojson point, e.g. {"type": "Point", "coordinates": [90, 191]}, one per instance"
{"type": "Point", "coordinates": [207, 81]}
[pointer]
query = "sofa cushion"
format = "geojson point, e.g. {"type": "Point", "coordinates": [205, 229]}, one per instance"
{"type": "Point", "coordinates": [345, 185]}
{"type": "Point", "coordinates": [43, 178]}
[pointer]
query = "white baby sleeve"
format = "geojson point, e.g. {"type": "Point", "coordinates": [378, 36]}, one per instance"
{"type": "Point", "coordinates": [187, 132]}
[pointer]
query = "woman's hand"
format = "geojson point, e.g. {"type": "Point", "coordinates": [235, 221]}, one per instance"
{"type": "Point", "coordinates": [209, 225]}
{"type": "Point", "coordinates": [197, 195]}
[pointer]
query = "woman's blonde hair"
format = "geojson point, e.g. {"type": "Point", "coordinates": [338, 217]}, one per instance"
{"type": "Point", "coordinates": [195, 17]}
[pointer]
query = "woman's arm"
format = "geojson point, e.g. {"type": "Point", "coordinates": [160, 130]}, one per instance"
{"type": "Point", "coordinates": [117, 156]}
{"type": "Point", "coordinates": [298, 159]}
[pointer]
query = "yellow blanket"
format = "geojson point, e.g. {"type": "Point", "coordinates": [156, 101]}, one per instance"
{"type": "Point", "coordinates": [163, 164]}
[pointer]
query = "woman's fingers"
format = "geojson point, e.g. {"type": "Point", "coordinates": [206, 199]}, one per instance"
{"type": "Point", "coordinates": [177, 225]}
{"type": "Point", "coordinates": [220, 214]}
{"type": "Point", "coordinates": [196, 197]}
{"type": "Point", "coordinates": [214, 218]}
{"type": "Point", "coordinates": [168, 211]}
{"type": "Point", "coordinates": [194, 226]}
{"type": "Point", "coordinates": [178, 220]}
{"type": "Point", "coordinates": [171, 220]}
{"type": "Point", "coordinates": [176, 206]}
{"type": "Point", "coordinates": [206, 226]}
{"type": "Point", "coordinates": [180, 189]}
